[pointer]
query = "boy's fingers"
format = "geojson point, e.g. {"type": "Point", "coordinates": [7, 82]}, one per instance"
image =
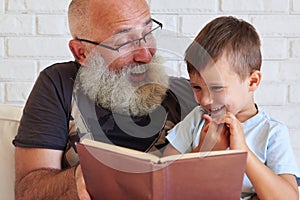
{"type": "Point", "coordinates": [207, 118]}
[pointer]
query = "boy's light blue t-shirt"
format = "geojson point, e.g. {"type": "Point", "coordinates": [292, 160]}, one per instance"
{"type": "Point", "coordinates": [267, 138]}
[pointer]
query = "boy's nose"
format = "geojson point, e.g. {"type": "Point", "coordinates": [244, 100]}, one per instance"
{"type": "Point", "coordinates": [205, 99]}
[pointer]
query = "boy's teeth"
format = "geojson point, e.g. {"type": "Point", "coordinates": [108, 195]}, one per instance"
{"type": "Point", "coordinates": [215, 109]}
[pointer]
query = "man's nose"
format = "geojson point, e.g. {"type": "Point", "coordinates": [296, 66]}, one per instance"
{"type": "Point", "coordinates": [142, 53]}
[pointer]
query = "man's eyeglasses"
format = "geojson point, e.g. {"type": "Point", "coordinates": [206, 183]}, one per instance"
{"type": "Point", "coordinates": [125, 41]}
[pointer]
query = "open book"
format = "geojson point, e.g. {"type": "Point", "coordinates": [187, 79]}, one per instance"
{"type": "Point", "coordinates": [113, 172]}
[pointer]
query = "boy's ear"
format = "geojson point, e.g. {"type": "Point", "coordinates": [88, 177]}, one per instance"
{"type": "Point", "coordinates": [78, 50]}
{"type": "Point", "coordinates": [254, 80]}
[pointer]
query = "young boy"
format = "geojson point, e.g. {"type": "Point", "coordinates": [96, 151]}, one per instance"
{"type": "Point", "coordinates": [224, 67]}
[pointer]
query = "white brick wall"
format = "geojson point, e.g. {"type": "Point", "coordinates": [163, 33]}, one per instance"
{"type": "Point", "coordinates": [34, 34]}
{"type": "Point", "coordinates": [296, 6]}
{"type": "Point", "coordinates": [37, 47]}
{"type": "Point", "coordinates": [37, 6]}
{"type": "Point", "coordinates": [52, 25]}
{"type": "Point", "coordinates": [183, 7]}
{"type": "Point", "coordinates": [1, 48]}
{"type": "Point", "coordinates": [15, 24]}
{"type": "Point", "coordinates": [255, 6]}
{"type": "Point", "coordinates": [1, 7]}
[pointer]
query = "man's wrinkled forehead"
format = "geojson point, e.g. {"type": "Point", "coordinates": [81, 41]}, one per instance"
{"type": "Point", "coordinates": [113, 16]}
{"type": "Point", "coordinates": [116, 11]}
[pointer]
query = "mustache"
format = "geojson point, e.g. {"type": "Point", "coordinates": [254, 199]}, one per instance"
{"type": "Point", "coordinates": [131, 69]}
{"type": "Point", "coordinates": [115, 91]}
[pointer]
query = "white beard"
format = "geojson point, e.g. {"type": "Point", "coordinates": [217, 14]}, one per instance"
{"type": "Point", "coordinates": [116, 92]}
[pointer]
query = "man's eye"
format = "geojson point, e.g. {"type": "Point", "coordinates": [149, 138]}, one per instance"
{"type": "Point", "coordinates": [122, 42]}
{"type": "Point", "coordinates": [147, 29]}
{"type": "Point", "coordinates": [119, 40]}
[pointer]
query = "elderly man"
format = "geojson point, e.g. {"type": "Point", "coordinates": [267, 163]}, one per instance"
{"type": "Point", "coordinates": [117, 79]}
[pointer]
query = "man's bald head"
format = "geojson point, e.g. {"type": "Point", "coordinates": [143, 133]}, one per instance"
{"type": "Point", "coordinates": [90, 17]}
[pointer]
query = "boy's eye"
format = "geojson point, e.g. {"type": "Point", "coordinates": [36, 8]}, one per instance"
{"type": "Point", "coordinates": [216, 88]}
{"type": "Point", "coordinates": [195, 87]}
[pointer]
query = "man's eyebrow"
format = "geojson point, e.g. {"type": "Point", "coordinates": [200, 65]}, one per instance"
{"type": "Point", "coordinates": [126, 30]}
{"type": "Point", "coordinates": [148, 21]}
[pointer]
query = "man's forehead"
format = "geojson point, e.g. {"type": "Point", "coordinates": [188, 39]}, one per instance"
{"type": "Point", "coordinates": [117, 10]}
{"type": "Point", "coordinates": [113, 18]}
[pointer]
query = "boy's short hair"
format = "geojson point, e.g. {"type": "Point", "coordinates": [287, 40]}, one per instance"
{"type": "Point", "coordinates": [235, 38]}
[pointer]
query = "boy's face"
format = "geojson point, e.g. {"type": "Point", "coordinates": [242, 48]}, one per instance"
{"type": "Point", "coordinates": [218, 89]}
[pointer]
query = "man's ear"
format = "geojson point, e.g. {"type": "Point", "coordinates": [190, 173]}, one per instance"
{"type": "Point", "coordinates": [254, 80]}
{"type": "Point", "coordinates": [78, 50]}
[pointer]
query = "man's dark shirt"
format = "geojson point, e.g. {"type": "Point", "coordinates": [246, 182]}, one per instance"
{"type": "Point", "coordinates": [47, 114]}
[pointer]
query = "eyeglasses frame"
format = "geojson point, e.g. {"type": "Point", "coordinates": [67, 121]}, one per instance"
{"type": "Point", "coordinates": [160, 25]}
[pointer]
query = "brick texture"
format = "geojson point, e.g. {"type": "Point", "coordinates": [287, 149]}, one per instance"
{"type": "Point", "coordinates": [277, 25]}
{"type": "Point", "coordinates": [296, 6]}
{"type": "Point", "coordinates": [26, 70]}
{"type": "Point", "coordinates": [17, 92]}
{"type": "Point", "coordinates": [52, 25]}
{"type": "Point", "coordinates": [295, 93]}
{"type": "Point", "coordinates": [16, 25]}
{"type": "Point", "coordinates": [295, 49]}
{"type": "Point", "coordinates": [1, 48]}
{"type": "Point", "coordinates": [38, 47]}
{"type": "Point", "coordinates": [36, 6]}
{"type": "Point", "coordinates": [2, 5]}
{"type": "Point", "coordinates": [274, 6]}
{"type": "Point", "coordinates": [187, 6]}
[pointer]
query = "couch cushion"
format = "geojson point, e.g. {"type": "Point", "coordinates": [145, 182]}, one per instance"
{"type": "Point", "coordinates": [9, 122]}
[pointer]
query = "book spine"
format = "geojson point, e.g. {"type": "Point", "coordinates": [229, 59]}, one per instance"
{"type": "Point", "coordinates": [158, 182]}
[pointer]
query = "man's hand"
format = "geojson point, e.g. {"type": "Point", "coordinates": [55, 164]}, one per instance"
{"type": "Point", "coordinates": [80, 184]}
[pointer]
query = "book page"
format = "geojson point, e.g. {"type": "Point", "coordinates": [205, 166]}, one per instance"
{"type": "Point", "coordinates": [198, 154]}
{"type": "Point", "coordinates": [151, 157]}
{"type": "Point", "coordinates": [121, 150]}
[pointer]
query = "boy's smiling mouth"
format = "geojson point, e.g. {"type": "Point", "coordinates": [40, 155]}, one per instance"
{"type": "Point", "coordinates": [217, 111]}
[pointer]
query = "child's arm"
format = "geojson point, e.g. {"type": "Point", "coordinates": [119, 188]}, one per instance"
{"type": "Point", "coordinates": [170, 150]}
{"type": "Point", "coordinates": [267, 184]}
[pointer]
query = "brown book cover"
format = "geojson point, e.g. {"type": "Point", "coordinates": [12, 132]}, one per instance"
{"type": "Point", "coordinates": [113, 172]}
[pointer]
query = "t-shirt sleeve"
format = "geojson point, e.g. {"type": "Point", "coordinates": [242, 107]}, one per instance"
{"type": "Point", "coordinates": [280, 155]}
{"type": "Point", "coordinates": [182, 136]}
{"type": "Point", "coordinates": [44, 123]}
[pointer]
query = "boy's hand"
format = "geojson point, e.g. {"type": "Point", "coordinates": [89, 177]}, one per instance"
{"type": "Point", "coordinates": [236, 130]}
{"type": "Point", "coordinates": [220, 133]}
{"type": "Point", "coordinates": [214, 136]}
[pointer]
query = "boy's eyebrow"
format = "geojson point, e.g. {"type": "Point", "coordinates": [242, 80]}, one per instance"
{"type": "Point", "coordinates": [194, 85]}
{"type": "Point", "coordinates": [215, 83]}
{"type": "Point", "coordinates": [191, 83]}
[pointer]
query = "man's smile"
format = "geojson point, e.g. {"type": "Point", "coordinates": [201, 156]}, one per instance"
{"type": "Point", "coordinates": [138, 73]}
